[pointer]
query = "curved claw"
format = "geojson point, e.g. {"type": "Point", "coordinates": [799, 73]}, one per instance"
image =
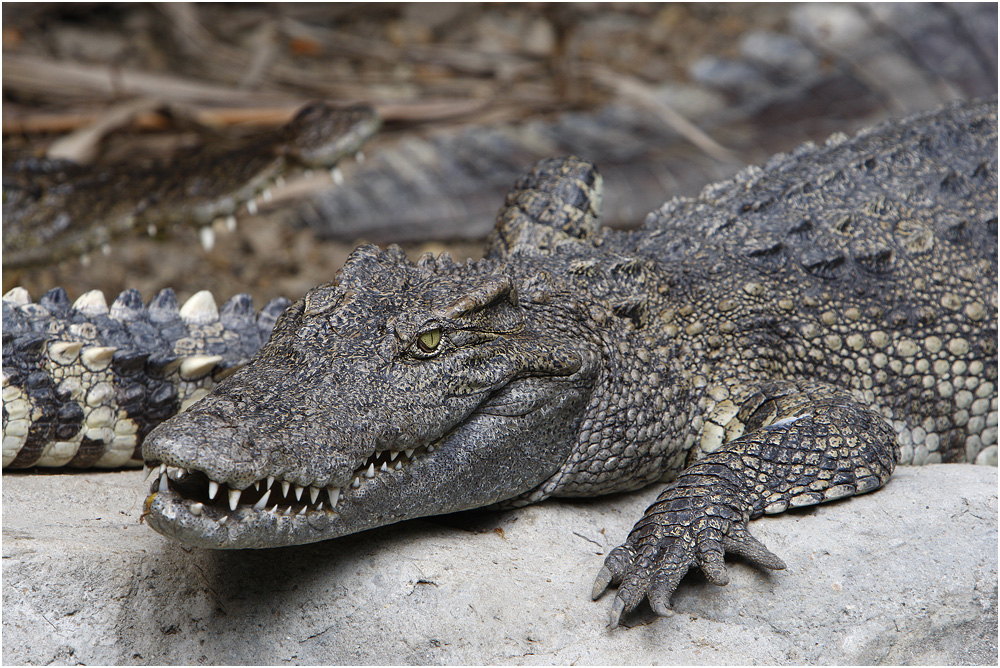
{"type": "Point", "coordinates": [617, 608]}
{"type": "Point", "coordinates": [601, 582]}
{"type": "Point", "coordinates": [750, 548]}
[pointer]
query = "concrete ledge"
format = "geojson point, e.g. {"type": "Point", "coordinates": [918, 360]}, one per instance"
{"type": "Point", "coordinates": [904, 575]}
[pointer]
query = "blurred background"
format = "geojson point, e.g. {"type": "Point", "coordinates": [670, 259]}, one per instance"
{"type": "Point", "coordinates": [665, 98]}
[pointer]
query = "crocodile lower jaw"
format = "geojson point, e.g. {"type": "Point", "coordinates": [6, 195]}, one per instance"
{"type": "Point", "coordinates": [185, 504]}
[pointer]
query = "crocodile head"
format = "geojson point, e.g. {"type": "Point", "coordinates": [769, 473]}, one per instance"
{"type": "Point", "coordinates": [397, 391]}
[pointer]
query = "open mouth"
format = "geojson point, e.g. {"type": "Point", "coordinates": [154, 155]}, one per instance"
{"type": "Point", "coordinates": [217, 501]}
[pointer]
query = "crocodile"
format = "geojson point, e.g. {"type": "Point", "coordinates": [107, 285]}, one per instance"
{"type": "Point", "coordinates": [781, 340]}
{"type": "Point", "coordinates": [55, 209]}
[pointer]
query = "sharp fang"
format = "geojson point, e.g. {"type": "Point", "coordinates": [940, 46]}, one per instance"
{"type": "Point", "coordinates": [319, 506]}
{"type": "Point", "coordinates": [399, 465]}
{"type": "Point", "coordinates": [267, 195]}
{"type": "Point", "coordinates": [234, 498]}
{"type": "Point", "coordinates": [393, 454]}
{"type": "Point", "coordinates": [223, 519]}
{"type": "Point", "coordinates": [337, 176]}
{"type": "Point", "coordinates": [356, 483]}
{"type": "Point", "coordinates": [163, 483]}
{"type": "Point", "coordinates": [148, 473]}
{"type": "Point", "coordinates": [384, 468]}
{"type": "Point", "coordinates": [161, 470]}
{"type": "Point", "coordinates": [196, 508]}
{"type": "Point", "coordinates": [213, 489]}
{"type": "Point", "coordinates": [409, 453]}
{"type": "Point", "coordinates": [334, 494]}
{"type": "Point", "coordinates": [231, 223]}
{"type": "Point", "coordinates": [270, 481]}
{"type": "Point", "coordinates": [298, 492]}
{"type": "Point", "coordinates": [256, 485]}
{"type": "Point", "coordinates": [207, 236]}
{"type": "Point", "coordinates": [151, 230]}
{"type": "Point", "coordinates": [303, 511]}
{"type": "Point", "coordinates": [263, 501]}
{"type": "Point", "coordinates": [370, 473]}
{"type": "Point", "coordinates": [252, 207]}
{"type": "Point", "coordinates": [313, 494]}
{"type": "Point", "coordinates": [284, 488]}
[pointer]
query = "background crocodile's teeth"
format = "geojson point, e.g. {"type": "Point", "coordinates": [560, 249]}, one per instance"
{"type": "Point", "coordinates": [19, 297]}
{"type": "Point", "coordinates": [213, 489]}
{"type": "Point", "coordinates": [252, 207]}
{"type": "Point", "coordinates": [267, 195]}
{"type": "Point", "coordinates": [91, 303]}
{"type": "Point", "coordinates": [334, 494]}
{"type": "Point", "coordinates": [337, 176]}
{"type": "Point", "coordinates": [97, 358]}
{"type": "Point", "coordinates": [263, 500]}
{"type": "Point", "coordinates": [207, 237]}
{"type": "Point", "coordinates": [151, 230]}
{"type": "Point", "coordinates": [200, 309]}
{"type": "Point", "coordinates": [231, 223]}
{"type": "Point", "coordinates": [359, 156]}
{"type": "Point", "coordinates": [234, 498]}
{"type": "Point", "coordinates": [198, 366]}
{"type": "Point", "coordinates": [65, 352]}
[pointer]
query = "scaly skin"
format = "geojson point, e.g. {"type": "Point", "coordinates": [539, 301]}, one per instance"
{"type": "Point", "coordinates": [53, 210]}
{"type": "Point", "coordinates": [776, 342]}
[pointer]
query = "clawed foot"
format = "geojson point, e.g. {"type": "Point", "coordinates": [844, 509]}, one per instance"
{"type": "Point", "coordinates": [674, 535]}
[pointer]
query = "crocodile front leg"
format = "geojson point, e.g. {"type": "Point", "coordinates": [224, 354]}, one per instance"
{"type": "Point", "coordinates": [820, 445]}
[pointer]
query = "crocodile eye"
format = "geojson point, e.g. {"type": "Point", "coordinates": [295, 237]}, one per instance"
{"type": "Point", "coordinates": [429, 340]}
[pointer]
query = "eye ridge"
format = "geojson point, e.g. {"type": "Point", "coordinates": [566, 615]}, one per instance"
{"type": "Point", "coordinates": [430, 340]}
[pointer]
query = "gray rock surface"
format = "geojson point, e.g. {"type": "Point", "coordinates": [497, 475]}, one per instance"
{"type": "Point", "coordinates": [904, 575]}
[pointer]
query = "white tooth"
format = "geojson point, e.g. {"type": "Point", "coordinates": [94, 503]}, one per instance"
{"type": "Point", "coordinates": [256, 485]}
{"type": "Point", "coordinates": [213, 489]}
{"type": "Point", "coordinates": [298, 492]}
{"type": "Point", "coordinates": [313, 495]}
{"type": "Point", "coordinates": [409, 453]}
{"type": "Point", "coordinates": [337, 176]}
{"type": "Point", "coordinates": [288, 510]}
{"type": "Point", "coordinates": [384, 468]}
{"type": "Point", "coordinates": [20, 297]}
{"type": "Point", "coordinates": [223, 519]}
{"type": "Point", "coordinates": [270, 481]}
{"type": "Point", "coordinates": [200, 309]}
{"type": "Point", "coordinates": [263, 501]}
{"type": "Point", "coordinates": [65, 352]}
{"type": "Point", "coordinates": [393, 454]}
{"type": "Point", "coordinates": [279, 182]}
{"type": "Point", "coordinates": [91, 303]}
{"type": "Point", "coordinates": [97, 358]}
{"type": "Point", "coordinates": [231, 223]}
{"type": "Point", "coordinates": [284, 488]}
{"type": "Point", "coordinates": [234, 498]}
{"type": "Point", "coordinates": [147, 471]}
{"type": "Point", "coordinates": [334, 494]}
{"type": "Point", "coordinates": [196, 508]}
{"type": "Point", "coordinates": [320, 506]}
{"type": "Point", "coordinates": [304, 509]}
{"type": "Point", "coordinates": [267, 195]}
{"type": "Point", "coordinates": [207, 236]}
{"type": "Point", "coordinates": [399, 465]}
{"type": "Point", "coordinates": [106, 249]}
{"type": "Point", "coordinates": [85, 259]}
{"type": "Point", "coordinates": [151, 230]}
{"type": "Point", "coordinates": [359, 156]}
{"type": "Point", "coordinates": [175, 472]}
{"type": "Point", "coordinates": [370, 473]}
{"type": "Point", "coordinates": [198, 366]}
{"type": "Point", "coordinates": [163, 483]}
{"type": "Point", "coordinates": [356, 483]}
{"type": "Point", "coordinates": [252, 207]}
{"type": "Point", "coordinates": [162, 469]}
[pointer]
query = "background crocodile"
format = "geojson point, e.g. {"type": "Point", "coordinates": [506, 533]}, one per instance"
{"type": "Point", "coordinates": [773, 343]}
